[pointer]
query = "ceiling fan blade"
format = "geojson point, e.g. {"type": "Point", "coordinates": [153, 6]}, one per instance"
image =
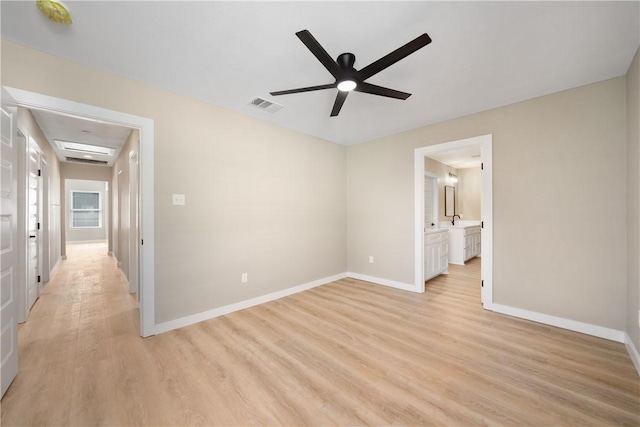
{"type": "Point", "coordinates": [338, 104]}
{"type": "Point", "coordinates": [382, 91]}
{"type": "Point", "coordinates": [303, 89]}
{"type": "Point", "coordinates": [395, 56]}
{"type": "Point", "coordinates": [319, 52]}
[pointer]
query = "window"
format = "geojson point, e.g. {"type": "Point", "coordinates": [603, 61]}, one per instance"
{"type": "Point", "coordinates": [85, 209]}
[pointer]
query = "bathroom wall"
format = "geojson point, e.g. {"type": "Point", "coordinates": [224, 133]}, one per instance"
{"type": "Point", "coordinates": [442, 171]}
{"type": "Point", "coordinates": [469, 192]}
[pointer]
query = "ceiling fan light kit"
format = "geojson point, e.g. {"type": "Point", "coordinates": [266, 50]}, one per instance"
{"type": "Point", "coordinates": [347, 78]}
{"type": "Point", "coordinates": [347, 85]}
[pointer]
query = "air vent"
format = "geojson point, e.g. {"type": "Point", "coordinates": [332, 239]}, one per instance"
{"type": "Point", "coordinates": [86, 161]}
{"type": "Point", "coordinates": [263, 104]}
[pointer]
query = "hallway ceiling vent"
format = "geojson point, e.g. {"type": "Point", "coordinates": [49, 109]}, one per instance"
{"type": "Point", "coordinates": [86, 161]}
{"type": "Point", "coordinates": [263, 104]}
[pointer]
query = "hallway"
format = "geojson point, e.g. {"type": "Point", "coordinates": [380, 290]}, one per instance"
{"type": "Point", "coordinates": [66, 348]}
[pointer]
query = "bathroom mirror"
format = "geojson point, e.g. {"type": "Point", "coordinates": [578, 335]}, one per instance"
{"type": "Point", "coordinates": [449, 200]}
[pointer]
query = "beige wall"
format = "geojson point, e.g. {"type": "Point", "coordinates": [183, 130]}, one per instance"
{"type": "Point", "coordinates": [86, 234]}
{"type": "Point", "coordinates": [121, 202]}
{"type": "Point", "coordinates": [81, 172]}
{"type": "Point", "coordinates": [271, 202]}
{"type": "Point", "coordinates": [260, 199]}
{"type": "Point", "coordinates": [29, 127]}
{"type": "Point", "coordinates": [469, 193]}
{"type": "Point", "coordinates": [557, 249]}
{"type": "Point", "coordinates": [442, 172]}
{"type": "Point", "coordinates": [633, 200]}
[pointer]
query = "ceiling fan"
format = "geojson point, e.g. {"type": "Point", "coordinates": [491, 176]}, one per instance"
{"type": "Point", "coordinates": [347, 77]}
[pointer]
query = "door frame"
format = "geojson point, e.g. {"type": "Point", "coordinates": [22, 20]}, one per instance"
{"type": "Point", "coordinates": [134, 215]}
{"type": "Point", "coordinates": [32, 147]}
{"type": "Point", "coordinates": [435, 207]}
{"type": "Point", "coordinates": [37, 101]}
{"type": "Point", "coordinates": [22, 143]}
{"type": "Point", "coordinates": [485, 142]}
{"type": "Point", "coordinates": [45, 258]}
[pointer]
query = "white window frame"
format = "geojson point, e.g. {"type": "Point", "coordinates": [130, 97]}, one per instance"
{"type": "Point", "coordinates": [86, 210]}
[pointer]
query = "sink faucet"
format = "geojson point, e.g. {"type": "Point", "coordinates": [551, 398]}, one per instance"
{"type": "Point", "coordinates": [453, 220]}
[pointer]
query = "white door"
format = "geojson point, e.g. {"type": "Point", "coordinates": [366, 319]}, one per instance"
{"type": "Point", "coordinates": [8, 239]}
{"type": "Point", "coordinates": [33, 224]}
{"type": "Point", "coordinates": [133, 225]}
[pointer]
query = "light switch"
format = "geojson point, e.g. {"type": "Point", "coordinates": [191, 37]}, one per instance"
{"type": "Point", "coordinates": [178, 199]}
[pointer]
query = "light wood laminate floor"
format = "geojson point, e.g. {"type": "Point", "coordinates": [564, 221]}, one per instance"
{"type": "Point", "coordinates": [347, 353]}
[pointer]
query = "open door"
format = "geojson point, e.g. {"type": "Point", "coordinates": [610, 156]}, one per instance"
{"type": "Point", "coordinates": [8, 239]}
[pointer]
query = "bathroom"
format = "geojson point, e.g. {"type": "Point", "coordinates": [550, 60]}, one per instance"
{"type": "Point", "coordinates": [452, 209]}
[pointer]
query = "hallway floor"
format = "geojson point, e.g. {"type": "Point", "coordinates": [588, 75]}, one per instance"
{"type": "Point", "coordinates": [67, 348]}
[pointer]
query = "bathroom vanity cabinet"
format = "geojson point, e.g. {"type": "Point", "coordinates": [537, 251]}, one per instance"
{"type": "Point", "coordinates": [436, 253]}
{"type": "Point", "coordinates": [465, 243]}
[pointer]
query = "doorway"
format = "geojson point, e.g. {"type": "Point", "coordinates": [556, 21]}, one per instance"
{"type": "Point", "coordinates": [485, 144]}
{"type": "Point", "coordinates": [36, 101]}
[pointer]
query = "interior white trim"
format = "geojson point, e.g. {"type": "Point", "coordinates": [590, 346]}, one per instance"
{"type": "Point", "coordinates": [221, 311]}
{"type": "Point", "coordinates": [55, 267]}
{"type": "Point", "coordinates": [146, 126]}
{"type": "Point", "coordinates": [633, 352]}
{"type": "Point", "coordinates": [385, 282]}
{"type": "Point", "coordinates": [485, 142]}
{"type": "Point", "coordinates": [560, 322]}
{"type": "Point", "coordinates": [125, 281]}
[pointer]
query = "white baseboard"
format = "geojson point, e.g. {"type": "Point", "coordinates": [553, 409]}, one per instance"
{"type": "Point", "coordinates": [384, 282]}
{"type": "Point", "coordinates": [54, 268]}
{"type": "Point", "coordinates": [221, 311]}
{"type": "Point", "coordinates": [125, 281]}
{"type": "Point", "coordinates": [572, 325]}
{"type": "Point", "coordinates": [63, 257]}
{"type": "Point", "coordinates": [633, 352]}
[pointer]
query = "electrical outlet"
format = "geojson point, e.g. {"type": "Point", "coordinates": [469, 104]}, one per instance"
{"type": "Point", "coordinates": [245, 277]}
{"type": "Point", "coordinates": [370, 259]}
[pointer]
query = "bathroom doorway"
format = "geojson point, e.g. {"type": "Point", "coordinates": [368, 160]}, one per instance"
{"type": "Point", "coordinates": [484, 143]}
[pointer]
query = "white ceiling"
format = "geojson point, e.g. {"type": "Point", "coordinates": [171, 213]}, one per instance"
{"type": "Point", "coordinates": [75, 129]}
{"type": "Point", "coordinates": [461, 158]}
{"type": "Point", "coordinates": [483, 54]}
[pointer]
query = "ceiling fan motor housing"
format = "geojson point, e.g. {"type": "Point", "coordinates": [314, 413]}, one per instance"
{"type": "Point", "coordinates": [345, 61]}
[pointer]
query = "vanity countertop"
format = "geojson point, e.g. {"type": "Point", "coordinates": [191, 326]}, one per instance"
{"type": "Point", "coordinates": [461, 224]}
{"type": "Point", "coordinates": [436, 230]}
